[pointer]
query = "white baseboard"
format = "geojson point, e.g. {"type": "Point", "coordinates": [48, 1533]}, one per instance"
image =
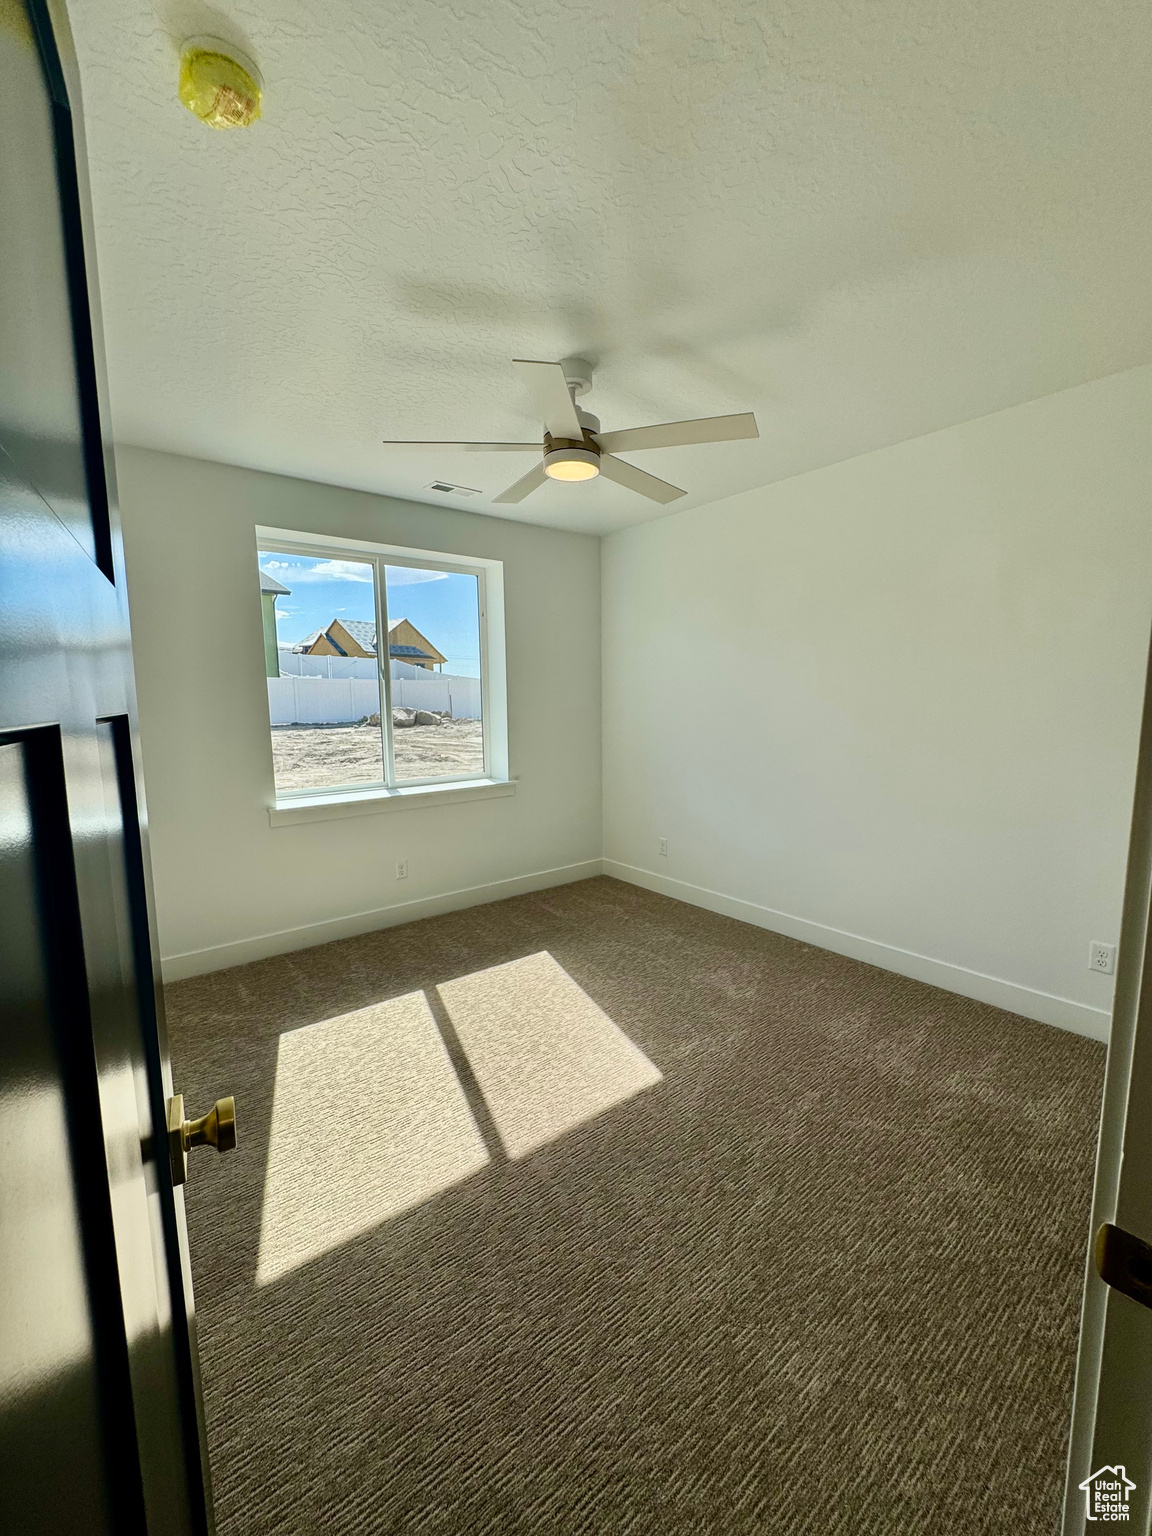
{"type": "Point", "coordinates": [197, 962]}
{"type": "Point", "coordinates": [1009, 995]}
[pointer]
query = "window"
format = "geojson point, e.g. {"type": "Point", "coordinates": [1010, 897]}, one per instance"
{"type": "Point", "coordinates": [380, 667]}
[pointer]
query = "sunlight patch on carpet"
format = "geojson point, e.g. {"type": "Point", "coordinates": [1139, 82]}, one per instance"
{"type": "Point", "coordinates": [368, 1121]}
{"type": "Point", "coordinates": [545, 1056]}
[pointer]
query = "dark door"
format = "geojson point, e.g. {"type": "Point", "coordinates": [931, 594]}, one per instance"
{"type": "Point", "coordinates": [99, 1423]}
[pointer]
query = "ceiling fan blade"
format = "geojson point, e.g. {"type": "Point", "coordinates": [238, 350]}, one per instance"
{"type": "Point", "coordinates": [638, 479]}
{"type": "Point", "coordinates": [677, 434]}
{"type": "Point", "coordinates": [390, 442]}
{"type": "Point", "coordinates": [523, 487]}
{"type": "Point", "coordinates": [552, 398]}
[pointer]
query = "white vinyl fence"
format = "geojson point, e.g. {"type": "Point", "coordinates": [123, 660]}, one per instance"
{"type": "Point", "coordinates": [340, 700]}
{"type": "Point", "coordinates": [297, 664]}
{"type": "Point", "coordinates": [460, 696]}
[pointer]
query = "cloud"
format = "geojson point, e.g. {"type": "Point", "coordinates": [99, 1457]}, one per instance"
{"type": "Point", "coordinates": [409, 575]}
{"type": "Point", "coordinates": [324, 570]}
{"type": "Point", "coordinates": [347, 570]}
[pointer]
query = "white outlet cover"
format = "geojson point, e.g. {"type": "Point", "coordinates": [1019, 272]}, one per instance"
{"type": "Point", "coordinates": [1102, 958]}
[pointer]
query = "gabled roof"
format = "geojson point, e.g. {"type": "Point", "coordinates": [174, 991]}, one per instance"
{"type": "Point", "coordinates": [431, 653]}
{"type": "Point", "coordinates": [361, 630]}
{"type": "Point", "coordinates": [270, 584]}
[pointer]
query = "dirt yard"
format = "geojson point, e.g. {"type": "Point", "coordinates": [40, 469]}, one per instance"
{"type": "Point", "coordinates": [319, 756]}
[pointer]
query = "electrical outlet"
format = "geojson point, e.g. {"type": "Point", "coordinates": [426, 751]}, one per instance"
{"type": "Point", "coordinates": [663, 847]}
{"type": "Point", "coordinates": [1102, 957]}
{"type": "Point", "coordinates": [401, 869]}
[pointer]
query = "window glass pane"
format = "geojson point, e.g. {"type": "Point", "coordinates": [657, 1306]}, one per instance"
{"type": "Point", "coordinates": [323, 675]}
{"type": "Point", "coordinates": [434, 660]}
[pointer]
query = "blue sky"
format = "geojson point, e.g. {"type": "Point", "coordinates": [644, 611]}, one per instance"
{"type": "Point", "coordinates": [442, 605]}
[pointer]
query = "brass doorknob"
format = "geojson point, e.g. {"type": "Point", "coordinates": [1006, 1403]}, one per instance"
{"type": "Point", "coordinates": [215, 1129]}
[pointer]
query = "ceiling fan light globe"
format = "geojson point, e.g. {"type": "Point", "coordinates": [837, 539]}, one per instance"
{"type": "Point", "coordinates": [571, 464]}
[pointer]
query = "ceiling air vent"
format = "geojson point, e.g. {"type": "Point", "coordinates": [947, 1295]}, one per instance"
{"type": "Point", "coordinates": [451, 490]}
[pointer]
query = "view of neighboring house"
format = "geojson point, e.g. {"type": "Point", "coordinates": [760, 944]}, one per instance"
{"type": "Point", "coordinates": [357, 637]}
{"type": "Point", "coordinates": [270, 590]}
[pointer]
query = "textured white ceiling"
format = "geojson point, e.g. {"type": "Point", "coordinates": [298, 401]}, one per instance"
{"type": "Point", "coordinates": [864, 221]}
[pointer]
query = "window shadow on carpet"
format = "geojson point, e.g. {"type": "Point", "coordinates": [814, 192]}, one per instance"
{"type": "Point", "coordinates": [380, 1109]}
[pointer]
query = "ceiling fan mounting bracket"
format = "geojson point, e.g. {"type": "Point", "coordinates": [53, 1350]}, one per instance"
{"type": "Point", "coordinates": [577, 375]}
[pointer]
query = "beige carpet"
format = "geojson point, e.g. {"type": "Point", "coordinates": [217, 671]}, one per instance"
{"type": "Point", "coordinates": [591, 1212]}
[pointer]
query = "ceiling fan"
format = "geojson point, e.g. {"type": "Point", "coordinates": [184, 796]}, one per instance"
{"type": "Point", "coordinates": [574, 447]}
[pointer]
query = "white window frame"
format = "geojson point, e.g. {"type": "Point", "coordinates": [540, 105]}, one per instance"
{"type": "Point", "coordinates": [388, 792]}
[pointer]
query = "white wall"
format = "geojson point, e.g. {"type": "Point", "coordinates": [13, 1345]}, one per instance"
{"type": "Point", "coordinates": [229, 887]}
{"type": "Point", "coordinates": [894, 703]}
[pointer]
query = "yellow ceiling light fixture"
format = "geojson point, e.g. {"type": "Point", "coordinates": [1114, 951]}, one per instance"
{"type": "Point", "coordinates": [219, 85]}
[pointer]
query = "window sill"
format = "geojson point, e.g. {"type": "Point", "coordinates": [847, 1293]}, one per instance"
{"type": "Point", "coordinates": [418, 797]}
